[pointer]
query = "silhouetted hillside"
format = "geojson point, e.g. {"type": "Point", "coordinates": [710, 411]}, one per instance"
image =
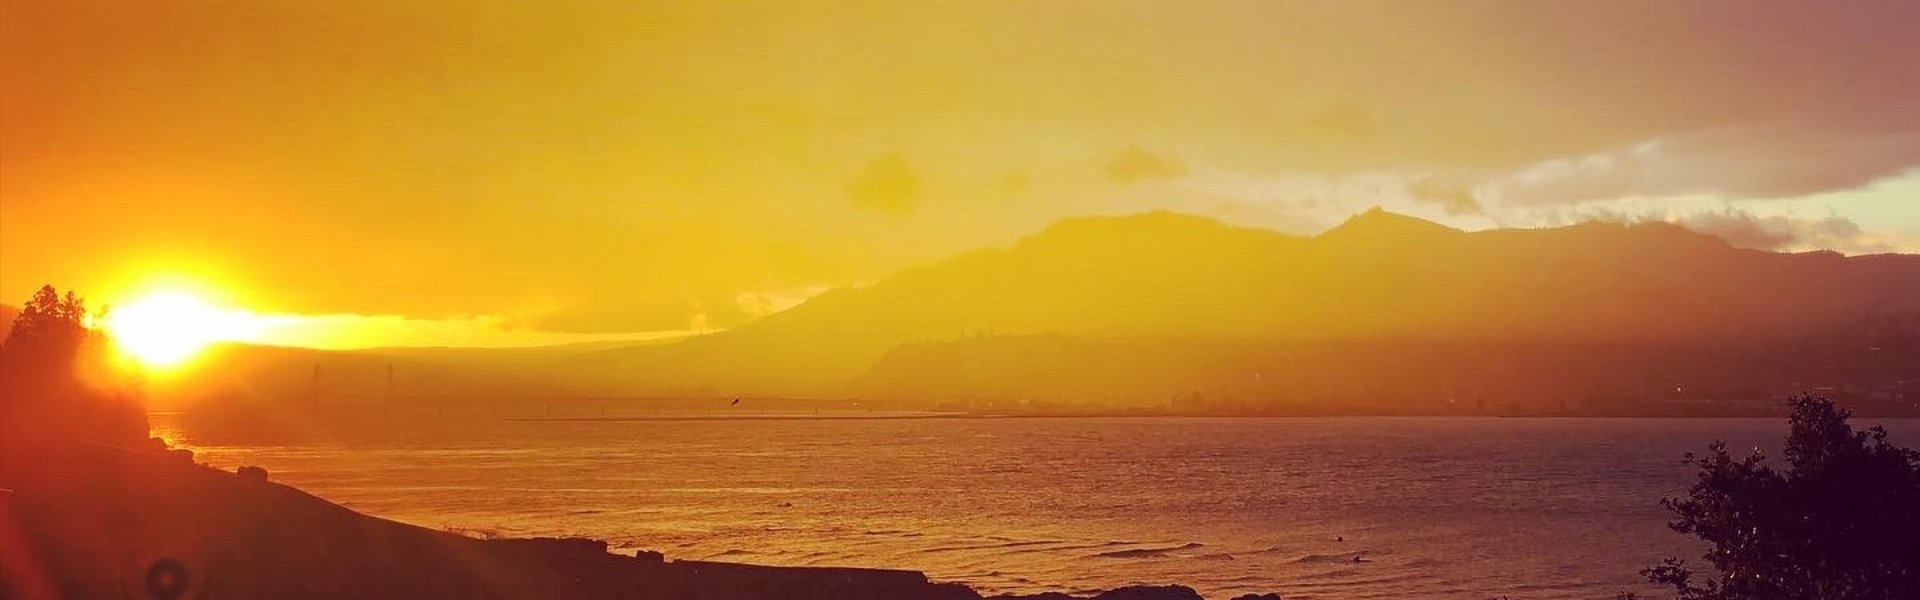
{"type": "Point", "coordinates": [1079, 276]}
{"type": "Point", "coordinates": [1380, 281]}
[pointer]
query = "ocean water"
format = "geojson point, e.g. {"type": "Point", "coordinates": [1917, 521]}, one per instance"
{"type": "Point", "coordinates": [1310, 508]}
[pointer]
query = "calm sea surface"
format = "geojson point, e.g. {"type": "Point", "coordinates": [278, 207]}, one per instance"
{"type": "Point", "coordinates": [1431, 507]}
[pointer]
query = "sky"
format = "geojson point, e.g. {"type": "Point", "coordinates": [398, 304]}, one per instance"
{"type": "Point", "coordinates": [510, 173]}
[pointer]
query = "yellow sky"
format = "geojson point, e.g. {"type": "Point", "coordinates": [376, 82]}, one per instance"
{"type": "Point", "coordinates": [515, 171]}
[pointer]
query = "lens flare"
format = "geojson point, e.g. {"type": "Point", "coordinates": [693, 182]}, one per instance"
{"type": "Point", "coordinates": [167, 329]}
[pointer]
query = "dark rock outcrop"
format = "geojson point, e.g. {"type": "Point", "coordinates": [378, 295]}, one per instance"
{"type": "Point", "coordinates": [251, 472]}
{"type": "Point", "coordinates": [1150, 592]}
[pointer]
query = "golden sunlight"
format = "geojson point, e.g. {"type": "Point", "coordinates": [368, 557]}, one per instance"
{"type": "Point", "coordinates": [166, 329]}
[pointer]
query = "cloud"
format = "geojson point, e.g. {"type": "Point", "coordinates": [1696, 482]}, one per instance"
{"type": "Point", "coordinates": [639, 181]}
{"type": "Point", "coordinates": [1134, 165]}
{"type": "Point", "coordinates": [888, 185]}
{"type": "Point", "coordinates": [1343, 119]}
{"type": "Point", "coordinates": [1754, 162]}
{"type": "Point", "coordinates": [686, 310]}
{"type": "Point", "coordinates": [355, 331]}
{"type": "Point", "coordinates": [761, 303]}
{"type": "Point", "coordinates": [1449, 194]}
{"type": "Point", "coordinates": [1778, 232]}
{"type": "Point", "coordinates": [1745, 229]}
{"type": "Point", "coordinates": [1869, 219]}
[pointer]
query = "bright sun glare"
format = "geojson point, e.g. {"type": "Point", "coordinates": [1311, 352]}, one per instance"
{"type": "Point", "coordinates": [166, 329]}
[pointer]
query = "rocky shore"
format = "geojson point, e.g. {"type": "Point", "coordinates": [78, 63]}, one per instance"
{"type": "Point", "coordinates": [90, 521]}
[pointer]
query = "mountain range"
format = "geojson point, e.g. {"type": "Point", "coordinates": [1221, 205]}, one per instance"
{"type": "Point", "coordinates": [1168, 312]}
{"type": "Point", "coordinates": [1148, 308]}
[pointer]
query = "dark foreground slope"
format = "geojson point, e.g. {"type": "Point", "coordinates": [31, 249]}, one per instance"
{"type": "Point", "coordinates": [89, 521]}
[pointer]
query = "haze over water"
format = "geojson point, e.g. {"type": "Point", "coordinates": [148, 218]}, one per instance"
{"type": "Point", "coordinates": [1434, 507]}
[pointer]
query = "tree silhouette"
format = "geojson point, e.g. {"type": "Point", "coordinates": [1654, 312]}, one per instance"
{"type": "Point", "coordinates": [55, 381]}
{"type": "Point", "coordinates": [48, 325]}
{"type": "Point", "coordinates": [1841, 523]}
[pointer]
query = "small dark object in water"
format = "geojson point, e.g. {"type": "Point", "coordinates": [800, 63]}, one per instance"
{"type": "Point", "coordinates": [736, 402]}
{"type": "Point", "coordinates": [1339, 538]}
{"type": "Point", "coordinates": [786, 505]}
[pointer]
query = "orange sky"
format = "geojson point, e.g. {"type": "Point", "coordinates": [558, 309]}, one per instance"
{"type": "Point", "coordinates": [555, 168]}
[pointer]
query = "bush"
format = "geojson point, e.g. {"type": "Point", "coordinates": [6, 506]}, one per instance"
{"type": "Point", "coordinates": [1841, 523]}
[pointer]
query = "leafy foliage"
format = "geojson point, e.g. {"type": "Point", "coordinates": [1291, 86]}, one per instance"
{"type": "Point", "coordinates": [49, 324]}
{"type": "Point", "coordinates": [1841, 523]}
{"type": "Point", "coordinates": [56, 380]}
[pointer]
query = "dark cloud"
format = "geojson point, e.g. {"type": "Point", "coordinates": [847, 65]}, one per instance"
{"type": "Point", "coordinates": [1451, 195]}
{"type": "Point", "coordinates": [1755, 162]}
{"type": "Point", "coordinates": [888, 185]}
{"type": "Point", "coordinates": [1750, 60]}
{"type": "Point", "coordinates": [1134, 165]}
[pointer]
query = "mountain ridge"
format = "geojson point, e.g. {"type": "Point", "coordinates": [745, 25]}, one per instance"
{"type": "Point", "coordinates": [1146, 307]}
{"type": "Point", "coordinates": [1379, 276]}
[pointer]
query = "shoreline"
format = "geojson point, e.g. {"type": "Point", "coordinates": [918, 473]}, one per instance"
{"type": "Point", "coordinates": [1169, 416]}
{"type": "Point", "coordinates": [103, 522]}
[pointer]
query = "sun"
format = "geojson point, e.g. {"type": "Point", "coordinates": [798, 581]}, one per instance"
{"type": "Point", "coordinates": [166, 329]}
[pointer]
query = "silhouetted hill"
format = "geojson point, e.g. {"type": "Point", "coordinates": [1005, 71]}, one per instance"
{"type": "Point", "coordinates": [1080, 275]}
{"type": "Point", "coordinates": [1380, 278]}
{"type": "Point", "coordinates": [1384, 313]}
{"type": "Point", "coordinates": [1377, 228]}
